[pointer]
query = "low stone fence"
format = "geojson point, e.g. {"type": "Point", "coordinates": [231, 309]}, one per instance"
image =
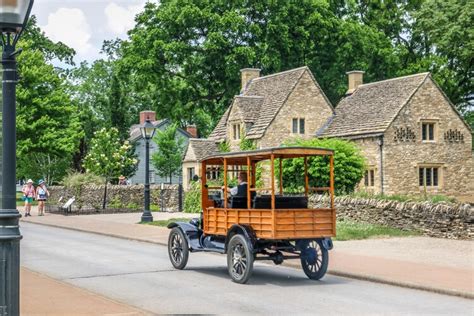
{"type": "Point", "coordinates": [444, 220]}
{"type": "Point", "coordinates": [120, 198]}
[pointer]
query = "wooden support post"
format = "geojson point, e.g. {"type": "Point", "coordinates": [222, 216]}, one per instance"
{"type": "Point", "coordinates": [331, 192]}
{"type": "Point", "coordinates": [204, 191]}
{"type": "Point", "coordinates": [249, 197]}
{"type": "Point", "coordinates": [306, 179]}
{"type": "Point", "coordinates": [272, 162]}
{"type": "Point", "coordinates": [254, 174]}
{"type": "Point", "coordinates": [281, 177]}
{"type": "Point", "coordinates": [225, 182]}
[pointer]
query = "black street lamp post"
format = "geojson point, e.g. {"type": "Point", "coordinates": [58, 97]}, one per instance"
{"type": "Point", "coordinates": [148, 131]}
{"type": "Point", "coordinates": [14, 15]}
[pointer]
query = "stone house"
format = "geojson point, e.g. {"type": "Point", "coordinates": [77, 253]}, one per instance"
{"type": "Point", "coordinates": [137, 139]}
{"type": "Point", "coordinates": [411, 135]}
{"type": "Point", "coordinates": [269, 110]}
{"type": "Point", "coordinates": [413, 138]}
{"type": "Point", "coordinates": [197, 149]}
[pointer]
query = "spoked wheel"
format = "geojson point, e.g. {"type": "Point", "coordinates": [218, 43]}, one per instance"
{"type": "Point", "coordinates": [178, 250]}
{"type": "Point", "coordinates": [239, 259]}
{"type": "Point", "coordinates": [314, 259]}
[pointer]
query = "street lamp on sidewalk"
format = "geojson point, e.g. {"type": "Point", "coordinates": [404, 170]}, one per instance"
{"type": "Point", "coordinates": [14, 15]}
{"type": "Point", "coordinates": [148, 131]}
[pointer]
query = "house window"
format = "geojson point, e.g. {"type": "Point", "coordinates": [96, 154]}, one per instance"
{"type": "Point", "coordinates": [369, 178]}
{"type": "Point", "coordinates": [191, 174]}
{"type": "Point", "coordinates": [428, 176]}
{"type": "Point", "coordinates": [212, 173]}
{"type": "Point", "coordinates": [298, 126]}
{"type": "Point", "coordinates": [235, 131]}
{"type": "Point", "coordinates": [428, 131]}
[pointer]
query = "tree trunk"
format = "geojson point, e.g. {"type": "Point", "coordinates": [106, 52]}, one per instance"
{"type": "Point", "coordinates": [105, 195]}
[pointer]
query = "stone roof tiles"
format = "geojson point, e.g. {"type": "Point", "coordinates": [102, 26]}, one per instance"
{"type": "Point", "coordinates": [260, 102]}
{"type": "Point", "coordinates": [373, 106]}
{"type": "Point", "coordinates": [201, 148]}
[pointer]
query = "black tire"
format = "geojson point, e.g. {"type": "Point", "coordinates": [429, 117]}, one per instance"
{"type": "Point", "coordinates": [178, 249]}
{"type": "Point", "coordinates": [239, 259]}
{"type": "Point", "coordinates": [314, 259]}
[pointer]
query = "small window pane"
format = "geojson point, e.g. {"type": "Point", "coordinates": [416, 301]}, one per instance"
{"type": "Point", "coordinates": [428, 176]}
{"type": "Point", "coordinates": [431, 131]}
{"type": "Point", "coordinates": [301, 126]}
{"type": "Point", "coordinates": [295, 126]}
{"type": "Point", "coordinates": [423, 131]}
{"type": "Point", "coordinates": [421, 176]}
{"type": "Point", "coordinates": [366, 179]}
{"type": "Point", "coordinates": [435, 177]}
{"type": "Point", "coordinates": [372, 178]}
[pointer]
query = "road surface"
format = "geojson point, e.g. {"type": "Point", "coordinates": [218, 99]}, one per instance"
{"type": "Point", "coordinates": [141, 275]}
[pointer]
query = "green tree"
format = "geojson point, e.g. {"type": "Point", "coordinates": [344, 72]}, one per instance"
{"type": "Point", "coordinates": [48, 127]}
{"type": "Point", "coordinates": [245, 143]}
{"type": "Point", "coordinates": [184, 56]}
{"type": "Point", "coordinates": [169, 155]}
{"type": "Point", "coordinates": [349, 166]}
{"type": "Point", "coordinates": [108, 157]}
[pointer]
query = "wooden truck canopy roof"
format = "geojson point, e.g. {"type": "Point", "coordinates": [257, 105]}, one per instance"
{"type": "Point", "coordinates": [240, 157]}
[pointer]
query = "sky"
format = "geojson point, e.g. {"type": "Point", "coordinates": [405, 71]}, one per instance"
{"type": "Point", "coordinates": [85, 24]}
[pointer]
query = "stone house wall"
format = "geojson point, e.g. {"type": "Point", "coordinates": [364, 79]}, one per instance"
{"type": "Point", "coordinates": [440, 220]}
{"type": "Point", "coordinates": [118, 197]}
{"type": "Point", "coordinates": [404, 155]}
{"type": "Point", "coordinates": [305, 101]}
{"type": "Point", "coordinates": [370, 149]}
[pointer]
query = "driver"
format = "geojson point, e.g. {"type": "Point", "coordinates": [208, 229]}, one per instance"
{"type": "Point", "coordinates": [241, 188]}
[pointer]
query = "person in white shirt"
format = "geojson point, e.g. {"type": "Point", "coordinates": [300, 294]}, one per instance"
{"type": "Point", "coordinates": [241, 188]}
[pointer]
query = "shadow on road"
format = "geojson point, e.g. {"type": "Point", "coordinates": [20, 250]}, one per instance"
{"type": "Point", "coordinates": [264, 275]}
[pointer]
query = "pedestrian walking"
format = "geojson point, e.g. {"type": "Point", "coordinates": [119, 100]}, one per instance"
{"type": "Point", "coordinates": [42, 195]}
{"type": "Point", "coordinates": [29, 195]}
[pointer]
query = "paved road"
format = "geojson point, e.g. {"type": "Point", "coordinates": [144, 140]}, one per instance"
{"type": "Point", "coordinates": [140, 274]}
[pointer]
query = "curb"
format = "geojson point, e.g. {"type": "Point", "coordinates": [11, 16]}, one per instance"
{"type": "Point", "coordinates": [339, 273]}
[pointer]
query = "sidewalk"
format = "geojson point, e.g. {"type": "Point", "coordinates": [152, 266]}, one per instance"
{"type": "Point", "coordinates": [438, 265]}
{"type": "Point", "coordinates": [41, 295]}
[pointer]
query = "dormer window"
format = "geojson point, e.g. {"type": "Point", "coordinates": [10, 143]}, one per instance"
{"type": "Point", "coordinates": [235, 131]}
{"type": "Point", "coordinates": [298, 126]}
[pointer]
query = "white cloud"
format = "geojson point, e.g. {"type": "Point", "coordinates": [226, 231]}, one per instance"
{"type": "Point", "coordinates": [120, 19]}
{"type": "Point", "coordinates": [70, 26]}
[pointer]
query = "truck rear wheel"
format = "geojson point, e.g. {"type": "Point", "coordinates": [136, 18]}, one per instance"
{"type": "Point", "coordinates": [314, 259]}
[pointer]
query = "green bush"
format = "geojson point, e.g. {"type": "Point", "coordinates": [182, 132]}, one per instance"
{"type": "Point", "coordinates": [154, 208]}
{"type": "Point", "coordinates": [404, 198]}
{"type": "Point", "coordinates": [133, 206]}
{"type": "Point", "coordinates": [76, 179]}
{"type": "Point", "coordinates": [115, 203]}
{"type": "Point", "coordinates": [192, 198]}
{"type": "Point", "coordinates": [349, 166]}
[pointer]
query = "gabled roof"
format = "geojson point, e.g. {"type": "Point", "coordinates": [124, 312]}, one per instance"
{"type": "Point", "coordinates": [373, 106]}
{"type": "Point", "coordinates": [201, 148]}
{"type": "Point", "coordinates": [136, 134]}
{"type": "Point", "coordinates": [261, 100]}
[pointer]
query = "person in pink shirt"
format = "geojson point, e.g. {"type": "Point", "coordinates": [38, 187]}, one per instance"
{"type": "Point", "coordinates": [29, 194]}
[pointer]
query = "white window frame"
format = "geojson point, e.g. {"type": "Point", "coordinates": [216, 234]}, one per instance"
{"type": "Point", "coordinates": [300, 122]}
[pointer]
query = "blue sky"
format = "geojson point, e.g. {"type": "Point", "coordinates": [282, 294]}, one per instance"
{"type": "Point", "coordinates": [85, 24]}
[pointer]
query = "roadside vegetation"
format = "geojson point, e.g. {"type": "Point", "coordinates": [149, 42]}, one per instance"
{"type": "Point", "coordinates": [346, 230]}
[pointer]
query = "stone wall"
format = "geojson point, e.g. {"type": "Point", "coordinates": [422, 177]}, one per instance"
{"type": "Point", "coordinates": [118, 197]}
{"type": "Point", "coordinates": [454, 221]}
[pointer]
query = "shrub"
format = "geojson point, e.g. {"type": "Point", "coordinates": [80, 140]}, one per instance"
{"type": "Point", "coordinates": [74, 180]}
{"type": "Point", "coordinates": [192, 199]}
{"type": "Point", "coordinates": [349, 166]}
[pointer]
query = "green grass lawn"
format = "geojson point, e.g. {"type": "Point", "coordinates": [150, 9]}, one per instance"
{"type": "Point", "coordinates": [346, 230]}
{"type": "Point", "coordinates": [164, 223]}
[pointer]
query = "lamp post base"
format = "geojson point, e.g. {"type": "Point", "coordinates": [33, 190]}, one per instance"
{"type": "Point", "coordinates": [147, 216]}
{"type": "Point", "coordinates": [9, 262]}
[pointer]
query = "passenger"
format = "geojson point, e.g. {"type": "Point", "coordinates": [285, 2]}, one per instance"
{"type": "Point", "coordinates": [241, 188]}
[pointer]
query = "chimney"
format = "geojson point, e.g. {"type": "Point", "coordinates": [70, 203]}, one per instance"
{"type": "Point", "coordinates": [147, 115]}
{"type": "Point", "coordinates": [356, 78]}
{"type": "Point", "coordinates": [248, 74]}
{"type": "Point", "coordinates": [192, 129]}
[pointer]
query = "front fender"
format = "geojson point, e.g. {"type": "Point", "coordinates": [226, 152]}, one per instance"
{"type": "Point", "coordinates": [191, 232]}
